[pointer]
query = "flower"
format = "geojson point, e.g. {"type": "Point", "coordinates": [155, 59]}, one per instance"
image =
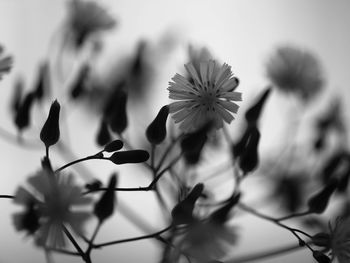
{"type": "Point", "coordinates": [5, 63]}
{"type": "Point", "coordinates": [85, 18]}
{"type": "Point", "coordinates": [205, 97]}
{"type": "Point", "coordinates": [206, 241]}
{"type": "Point", "coordinates": [297, 71]}
{"type": "Point", "coordinates": [50, 201]}
{"type": "Point", "coordinates": [340, 239]}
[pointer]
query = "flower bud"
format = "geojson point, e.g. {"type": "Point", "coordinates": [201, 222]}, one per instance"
{"type": "Point", "coordinates": [113, 146]}
{"type": "Point", "coordinates": [321, 240]}
{"type": "Point", "coordinates": [133, 156]}
{"type": "Point", "coordinates": [17, 95]}
{"type": "Point", "coordinates": [116, 111]}
{"type": "Point", "coordinates": [182, 213]}
{"type": "Point", "coordinates": [22, 117]}
{"type": "Point", "coordinates": [94, 185]}
{"type": "Point", "coordinates": [253, 114]}
{"type": "Point", "coordinates": [318, 203]}
{"type": "Point", "coordinates": [320, 257]}
{"type": "Point", "coordinates": [104, 208]}
{"type": "Point", "coordinates": [220, 216]}
{"type": "Point", "coordinates": [249, 159]}
{"type": "Point", "coordinates": [103, 135]}
{"type": "Point", "coordinates": [192, 145]}
{"type": "Point", "coordinates": [156, 131]}
{"type": "Point", "coordinates": [28, 220]}
{"type": "Point", "coordinates": [50, 133]}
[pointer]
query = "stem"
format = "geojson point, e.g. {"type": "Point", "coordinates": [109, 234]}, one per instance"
{"type": "Point", "coordinates": [7, 196]}
{"type": "Point", "coordinates": [132, 239]}
{"type": "Point", "coordinates": [265, 254]}
{"type": "Point", "coordinates": [293, 216]}
{"type": "Point", "coordinates": [90, 247]}
{"type": "Point", "coordinates": [121, 189]}
{"type": "Point", "coordinates": [167, 151]}
{"type": "Point", "coordinates": [75, 244]}
{"type": "Point", "coordinates": [292, 230]}
{"type": "Point", "coordinates": [156, 179]}
{"type": "Point", "coordinates": [93, 157]}
{"type": "Point", "coordinates": [47, 152]}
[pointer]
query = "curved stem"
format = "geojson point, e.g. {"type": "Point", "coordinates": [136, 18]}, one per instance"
{"type": "Point", "coordinates": [265, 254]}
{"type": "Point", "coordinates": [154, 235]}
{"type": "Point", "coordinates": [93, 157]}
{"type": "Point", "coordinates": [293, 216]}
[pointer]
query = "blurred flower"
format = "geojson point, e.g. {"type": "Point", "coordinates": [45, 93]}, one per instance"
{"type": "Point", "coordinates": [198, 55]}
{"type": "Point", "coordinates": [340, 240]}
{"type": "Point", "coordinates": [49, 203]}
{"type": "Point", "coordinates": [206, 96]}
{"type": "Point", "coordinates": [86, 18]}
{"type": "Point", "coordinates": [5, 62]}
{"type": "Point", "coordinates": [297, 71]}
{"type": "Point", "coordinates": [207, 241]}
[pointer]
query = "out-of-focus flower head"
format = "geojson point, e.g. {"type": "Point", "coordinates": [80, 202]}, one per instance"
{"type": "Point", "coordinates": [293, 70]}
{"type": "Point", "coordinates": [86, 18]}
{"type": "Point", "coordinates": [206, 241]}
{"type": "Point", "coordinates": [6, 62]}
{"type": "Point", "coordinates": [50, 201]}
{"type": "Point", "coordinates": [340, 240]}
{"type": "Point", "coordinates": [206, 97]}
{"type": "Point", "coordinates": [198, 55]}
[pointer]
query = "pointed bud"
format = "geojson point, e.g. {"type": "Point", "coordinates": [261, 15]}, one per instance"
{"type": "Point", "coordinates": [133, 156]}
{"type": "Point", "coordinates": [220, 216]}
{"type": "Point", "coordinates": [116, 111]}
{"type": "Point", "coordinates": [320, 257]}
{"type": "Point", "coordinates": [238, 148]}
{"type": "Point", "coordinates": [318, 203]}
{"type": "Point", "coordinates": [113, 146]}
{"type": "Point", "coordinates": [182, 213]}
{"type": "Point", "coordinates": [78, 86]}
{"type": "Point", "coordinates": [22, 117]}
{"type": "Point", "coordinates": [253, 114]}
{"type": "Point", "coordinates": [103, 135]}
{"type": "Point", "coordinates": [193, 143]}
{"type": "Point", "coordinates": [50, 133]}
{"type": "Point", "coordinates": [104, 208]}
{"type": "Point", "coordinates": [156, 131]}
{"type": "Point", "coordinates": [249, 159]}
{"type": "Point", "coordinates": [321, 240]}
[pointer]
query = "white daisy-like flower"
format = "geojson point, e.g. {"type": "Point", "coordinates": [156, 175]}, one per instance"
{"type": "Point", "coordinates": [87, 17]}
{"type": "Point", "coordinates": [207, 96]}
{"type": "Point", "coordinates": [51, 201]}
{"type": "Point", "coordinates": [340, 240]}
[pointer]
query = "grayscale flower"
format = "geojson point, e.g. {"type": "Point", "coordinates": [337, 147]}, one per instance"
{"type": "Point", "coordinates": [206, 97]}
{"type": "Point", "coordinates": [53, 200]}
{"type": "Point", "coordinates": [86, 18]}
{"type": "Point", "coordinates": [297, 71]}
{"type": "Point", "coordinates": [340, 240]}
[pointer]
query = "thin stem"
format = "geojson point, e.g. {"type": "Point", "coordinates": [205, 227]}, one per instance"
{"type": "Point", "coordinates": [62, 251]}
{"type": "Point", "coordinates": [93, 157]}
{"type": "Point", "coordinates": [121, 189]}
{"type": "Point", "coordinates": [156, 179]}
{"type": "Point", "coordinates": [265, 254]}
{"type": "Point", "coordinates": [47, 152]}
{"type": "Point", "coordinates": [293, 216]}
{"type": "Point", "coordinates": [75, 244]}
{"type": "Point", "coordinates": [167, 151]}
{"type": "Point", "coordinates": [7, 196]}
{"type": "Point", "coordinates": [274, 220]}
{"type": "Point", "coordinates": [91, 241]}
{"type": "Point", "coordinates": [156, 234]}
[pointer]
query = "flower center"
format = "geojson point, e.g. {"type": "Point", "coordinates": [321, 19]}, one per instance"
{"type": "Point", "coordinates": [208, 100]}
